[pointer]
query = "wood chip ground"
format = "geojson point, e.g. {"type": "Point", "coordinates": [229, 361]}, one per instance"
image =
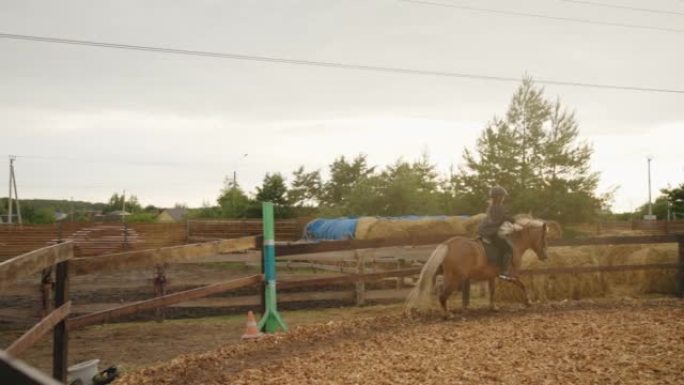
{"type": "Point", "coordinates": [586, 342]}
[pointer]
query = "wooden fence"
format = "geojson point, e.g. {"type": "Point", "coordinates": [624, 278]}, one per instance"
{"type": "Point", "coordinates": [314, 253]}
{"type": "Point", "coordinates": [648, 227]}
{"type": "Point", "coordinates": [285, 229]}
{"type": "Point", "coordinates": [31, 263]}
{"type": "Point", "coordinates": [61, 256]}
{"type": "Point", "coordinates": [90, 239]}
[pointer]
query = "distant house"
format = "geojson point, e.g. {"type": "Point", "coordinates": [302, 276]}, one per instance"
{"type": "Point", "coordinates": [176, 214]}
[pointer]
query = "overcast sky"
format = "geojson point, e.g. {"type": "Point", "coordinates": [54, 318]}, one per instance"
{"type": "Point", "coordinates": [169, 128]}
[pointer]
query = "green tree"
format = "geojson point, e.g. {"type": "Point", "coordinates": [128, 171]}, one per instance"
{"type": "Point", "coordinates": [116, 202]}
{"type": "Point", "coordinates": [534, 152]}
{"type": "Point", "coordinates": [345, 176]}
{"type": "Point", "coordinates": [273, 189]}
{"type": "Point", "coordinates": [305, 188]}
{"type": "Point", "coordinates": [410, 188]}
{"type": "Point", "coordinates": [233, 202]}
{"type": "Point", "coordinates": [675, 196]}
{"type": "Point", "coordinates": [206, 211]}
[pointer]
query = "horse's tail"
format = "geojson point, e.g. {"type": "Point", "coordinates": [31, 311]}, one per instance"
{"type": "Point", "coordinates": [420, 297]}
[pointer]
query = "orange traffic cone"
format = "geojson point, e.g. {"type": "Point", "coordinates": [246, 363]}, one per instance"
{"type": "Point", "coordinates": [251, 330]}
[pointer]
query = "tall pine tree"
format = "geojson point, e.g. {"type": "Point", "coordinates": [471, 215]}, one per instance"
{"type": "Point", "coordinates": [534, 153]}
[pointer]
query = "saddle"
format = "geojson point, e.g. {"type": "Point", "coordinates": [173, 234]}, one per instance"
{"type": "Point", "coordinates": [494, 255]}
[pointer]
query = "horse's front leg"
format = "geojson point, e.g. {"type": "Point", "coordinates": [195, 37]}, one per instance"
{"type": "Point", "coordinates": [492, 289]}
{"type": "Point", "coordinates": [522, 287]}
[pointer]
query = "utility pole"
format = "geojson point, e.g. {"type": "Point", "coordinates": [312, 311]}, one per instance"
{"type": "Point", "coordinates": [9, 197]}
{"type": "Point", "coordinates": [237, 163]}
{"type": "Point", "coordinates": [650, 206]}
{"type": "Point", "coordinates": [13, 183]}
{"type": "Point", "coordinates": [650, 216]}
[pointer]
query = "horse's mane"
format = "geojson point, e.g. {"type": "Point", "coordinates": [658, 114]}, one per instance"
{"type": "Point", "coordinates": [521, 221]}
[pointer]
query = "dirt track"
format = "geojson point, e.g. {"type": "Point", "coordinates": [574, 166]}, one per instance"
{"type": "Point", "coordinates": [608, 342]}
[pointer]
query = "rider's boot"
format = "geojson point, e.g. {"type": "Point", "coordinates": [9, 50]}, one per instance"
{"type": "Point", "coordinates": [505, 263]}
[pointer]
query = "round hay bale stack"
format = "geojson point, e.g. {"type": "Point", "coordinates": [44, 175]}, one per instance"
{"type": "Point", "coordinates": [661, 281]}
{"type": "Point", "coordinates": [384, 228]}
{"type": "Point", "coordinates": [556, 287]}
{"type": "Point", "coordinates": [363, 226]}
{"type": "Point", "coordinates": [411, 229]}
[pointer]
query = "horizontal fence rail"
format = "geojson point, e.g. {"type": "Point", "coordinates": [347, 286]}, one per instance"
{"type": "Point", "coordinates": [285, 229]}
{"type": "Point", "coordinates": [39, 330]}
{"type": "Point", "coordinates": [283, 250]}
{"type": "Point", "coordinates": [32, 262]}
{"type": "Point", "coordinates": [651, 227]}
{"type": "Point", "coordinates": [169, 299]}
{"type": "Point", "coordinates": [90, 239]}
{"type": "Point", "coordinates": [148, 258]}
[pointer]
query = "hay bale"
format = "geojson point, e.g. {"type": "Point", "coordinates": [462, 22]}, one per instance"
{"type": "Point", "coordinates": [561, 286]}
{"type": "Point", "coordinates": [383, 228]}
{"type": "Point", "coordinates": [363, 225]}
{"type": "Point", "coordinates": [587, 285]}
{"type": "Point", "coordinates": [641, 281]}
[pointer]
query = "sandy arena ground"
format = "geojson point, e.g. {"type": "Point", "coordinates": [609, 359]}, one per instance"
{"type": "Point", "coordinates": [625, 341]}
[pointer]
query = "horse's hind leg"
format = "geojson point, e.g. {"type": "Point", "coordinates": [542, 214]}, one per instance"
{"type": "Point", "coordinates": [448, 287]}
{"type": "Point", "coordinates": [465, 294]}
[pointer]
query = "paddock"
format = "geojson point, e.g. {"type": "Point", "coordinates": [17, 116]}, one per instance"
{"type": "Point", "coordinates": [627, 341]}
{"type": "Point", "coordinates": [368, 344]}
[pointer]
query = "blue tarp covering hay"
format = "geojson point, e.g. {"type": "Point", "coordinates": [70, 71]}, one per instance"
{"type": "Point", "coordinates": [380, 227]}
{"type": "Point", "coordinates": [331, 229]}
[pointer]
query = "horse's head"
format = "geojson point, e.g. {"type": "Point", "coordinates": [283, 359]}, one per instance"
{"type": "Point", "coordinates": [529, 233]}
{"type": "Point", "coordinates": [538, 244]}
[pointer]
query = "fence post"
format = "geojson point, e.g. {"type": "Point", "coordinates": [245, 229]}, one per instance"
{"type": "Point", "coordinates": [360, 286]}
{"type": "Point", "coordinates": [680, 280]}
{"type": "Point", "coordinates": [262, 286]}
{"type": "Point", "coordinates": [46, 284]}
{"type": "Point", "coordinates": [160, 291]}
{"type": "Point", "coordinates": [125, 236]}
{"type": "Point", "coordinates": [271, 320]}
{"type": "Point", "coordinates": [60, 345]}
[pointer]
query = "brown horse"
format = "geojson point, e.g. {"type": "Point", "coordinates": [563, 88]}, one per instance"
{"type": "Point", "coordinates": [461, 260]}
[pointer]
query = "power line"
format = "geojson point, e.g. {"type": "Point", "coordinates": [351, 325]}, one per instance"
{"type": "Point", "coordinates": [540, 16]}
{"type": "Point", "coordinates": [125, 162]}
{"type": "Point", "coordinates": [606, 5]}
{"type": "Point", "coordinates": [334, 65]}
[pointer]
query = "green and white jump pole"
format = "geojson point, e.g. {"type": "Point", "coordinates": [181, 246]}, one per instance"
{"type": "Point", "coordinates": [270, 320]}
